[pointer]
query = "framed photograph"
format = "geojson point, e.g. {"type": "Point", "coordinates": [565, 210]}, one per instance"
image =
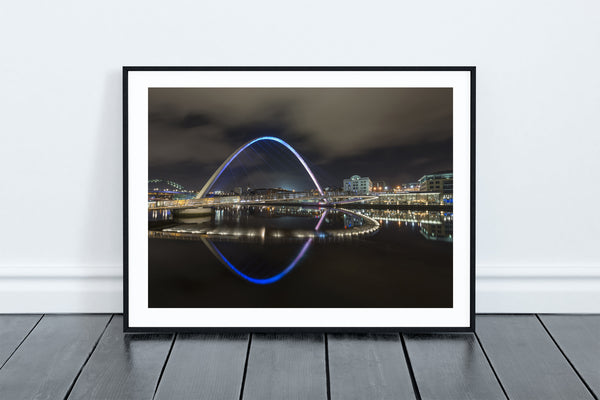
{"type": "Point", "coordinates": [299, 198]}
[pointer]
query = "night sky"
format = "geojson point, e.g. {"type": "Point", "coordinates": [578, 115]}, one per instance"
{"type": "Point", "coordinates": [391, 134]}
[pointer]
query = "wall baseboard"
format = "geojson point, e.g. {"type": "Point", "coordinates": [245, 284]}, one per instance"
{"type": "Point", "coordinates": [506, 289]}
{"type": "Point", "coordinates": [561, 289]}
{"type": "Point", "coordinates": [51, 289]}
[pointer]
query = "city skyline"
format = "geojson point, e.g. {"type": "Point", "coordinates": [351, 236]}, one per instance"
{"type": "Point", "coordinates": [393, 135]}
{"type": "Point", "coordinates": [166, 182]}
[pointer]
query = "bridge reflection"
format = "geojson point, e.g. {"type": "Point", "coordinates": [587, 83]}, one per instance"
{"type": "Point", "coordinates": [249, 274]}
{"type": "Point", "coordinates": [262, 244]}
{"type": "Point", "coordinates": [253, 242]}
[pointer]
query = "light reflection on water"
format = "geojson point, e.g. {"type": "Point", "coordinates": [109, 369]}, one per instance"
{"type": "Point", "coordinates": [265, 226]}
{"type": "Point", "coordinates": [271, 223]}
{"type": "Point", "coordinates": [289, 222]}
{"type": "Point", "coordinates": [276, 256]}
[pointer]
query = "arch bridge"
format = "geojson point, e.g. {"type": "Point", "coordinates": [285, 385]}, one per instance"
{"type": "Point", "coordinates": [201, 201]}
{"type": "Point", "coordinates": [236, 153]}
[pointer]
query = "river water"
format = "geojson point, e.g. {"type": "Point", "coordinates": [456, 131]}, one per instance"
{"type": "Point", "coordinates": [261, 256]}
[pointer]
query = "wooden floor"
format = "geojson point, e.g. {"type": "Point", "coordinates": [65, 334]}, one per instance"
{"type": "Point", "coordinates": [511, 356]}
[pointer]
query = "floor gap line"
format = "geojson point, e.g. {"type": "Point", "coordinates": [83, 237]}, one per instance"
{"type": "Point", "coordinates": [162, 370]}
{"type": "Point", "coordinates": [490, 364]}
{"type": "Point", "coordinates": [411, 372]}
{"type": "Point", "coordinates": [327, 373]}
{"type": "Point", "coordinates": [566, 358]}
{"type": "Point", "coordinates": [246, 366]}
{"type": "Point", "coordinates": [21, 342]}
{"type": "Point", "coordinates": [88, 358]}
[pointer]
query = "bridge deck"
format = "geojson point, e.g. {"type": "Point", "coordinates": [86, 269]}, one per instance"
{"type": "Point", "coordinates": [510, 356]}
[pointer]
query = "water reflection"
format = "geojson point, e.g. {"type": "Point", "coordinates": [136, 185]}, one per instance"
{"type": "Point", "coordinates": [264, 223]}
{"type": "Point", "coordinates": [247, 269]}
{"type": "Point", "coordinates": [433, 225]}
{"type": "Point", "coordinates": [160, 215]}
{"type": "Point", "coordinates": [262, 244]}
{"type": "Point", "coordinates": [247, 273]}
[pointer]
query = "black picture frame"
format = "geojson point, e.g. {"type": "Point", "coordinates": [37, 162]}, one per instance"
{"type": "Point", "coordinates": [126, 198]}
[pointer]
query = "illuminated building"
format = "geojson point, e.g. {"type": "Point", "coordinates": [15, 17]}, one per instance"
{"type": "Point", "coordinates": [357, 185]}
{"type": "Point", "coordinates": [440, 182]}
{"type": "Point", "coordinates": [409, 198]}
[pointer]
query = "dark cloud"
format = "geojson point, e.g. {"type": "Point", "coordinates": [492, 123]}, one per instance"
{"type": "Point", "coordinates": [193, 120]}
{"type": "Point", "coordinates": [394, 134]}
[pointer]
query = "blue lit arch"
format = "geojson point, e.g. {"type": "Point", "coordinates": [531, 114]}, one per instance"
{"type": "Point", "coordinates": [233, 155]}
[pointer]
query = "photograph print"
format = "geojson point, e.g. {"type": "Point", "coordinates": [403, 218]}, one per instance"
{"type": "Point", "coordinates": [304, 200]}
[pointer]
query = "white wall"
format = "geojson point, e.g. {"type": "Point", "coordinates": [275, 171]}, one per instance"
{"type": "Point", "coordinates": [538, 127]}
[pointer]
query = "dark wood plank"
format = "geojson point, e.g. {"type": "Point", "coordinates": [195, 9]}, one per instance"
{"type": "Point", "coordinates": [368, 366]}
{"type": "Point", "coordinates": [13, 329]}
{"type": "Point", "coordinates": [286, 366]}
{"type": "Point", "coordinates": [205, 366]}
{"type": "Point", "coordinates": [451, 366]}
{"type": "Point", "coordinates": [526, 360]}
{"type": "Point", "coordinates": [46, 364]}
{"type": "Point", "coordinates": [123, 366]}
{"type": "Point", "coordinates": [579, 338]}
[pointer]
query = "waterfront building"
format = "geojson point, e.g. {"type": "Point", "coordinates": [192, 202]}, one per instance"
{"type": "Point", "coordinates": [409, 198]}
{"type": "Point", "coordinates": [440, 182]}
{"type": "Point", "coordinates": [358, 185]}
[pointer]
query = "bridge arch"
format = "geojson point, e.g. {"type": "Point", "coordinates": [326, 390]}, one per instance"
{"type": "Point", "coordinates": [233, 155]}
